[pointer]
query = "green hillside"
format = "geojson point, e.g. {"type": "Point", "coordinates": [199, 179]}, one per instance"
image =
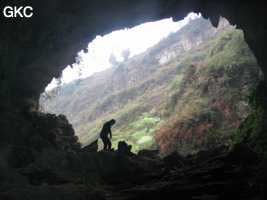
{"type": "Point", "coordinates": [185, 93]}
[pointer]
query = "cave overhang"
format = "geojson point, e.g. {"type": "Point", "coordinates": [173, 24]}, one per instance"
{"type": "Point", "coordinates": [36, 49]}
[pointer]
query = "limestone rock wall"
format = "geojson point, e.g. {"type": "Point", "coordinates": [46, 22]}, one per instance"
{"type": "Point", "coordinates": [187, 42]}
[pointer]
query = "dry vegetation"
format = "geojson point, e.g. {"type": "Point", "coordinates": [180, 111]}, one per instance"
{"type": "Point", "coordinates": [193, 101]}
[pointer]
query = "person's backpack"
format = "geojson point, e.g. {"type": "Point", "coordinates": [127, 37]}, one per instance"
{"type": "Point", "coordinates": [122, 147]}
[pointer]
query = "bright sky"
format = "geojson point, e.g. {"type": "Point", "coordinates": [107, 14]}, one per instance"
{"type": "Point", "coordinates": [138, 39]}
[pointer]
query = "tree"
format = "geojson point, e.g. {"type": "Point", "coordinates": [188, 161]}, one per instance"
{"type": "Point", "coordinates": [125, 54]}
{"type": "Point", "coordinates": [112, 59]}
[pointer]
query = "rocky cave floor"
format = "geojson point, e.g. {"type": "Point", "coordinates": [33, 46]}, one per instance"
{"type": "Point", "coordinates": [240, 174]}
{"type": "Point", "coordinates": [68, 172]}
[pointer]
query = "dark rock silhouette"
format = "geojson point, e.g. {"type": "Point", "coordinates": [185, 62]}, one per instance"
{"type": "Point", "coordinates": [90, 148]}
{"type": "Point", "coordinates": [175, 161]}
{"type": "Point", "coordinates": [205, 155]}
{"type": "Point", "coordinates": [68, 172]}
{"type": "Point", "coordinates": [63, 137]}
{"type": "Point", "coordinates": [241, 154]}
{"type": "Point", "coordinates": [148, 153]}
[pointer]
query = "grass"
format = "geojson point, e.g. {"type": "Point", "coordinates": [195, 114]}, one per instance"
{"type": "Point", "coordinates": [199, 91]}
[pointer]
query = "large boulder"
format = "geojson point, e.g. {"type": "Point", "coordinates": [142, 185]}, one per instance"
{"type": "Point", "coordinates": [148, 153]}
{"type": "Point", "coordinates": [108, 163]}
{"type": "Point", "coordinates": [201, 156]}
{"type": "Point", "coordinates": [175, 161]}
{"type": "Point", "coordinates": [221, 148]}
{"type": "Point", "coordinates": [241, 154]}
{"type": "Point", "coordinates": [91, 147]}
{"type": "Point", "coordinates": [218, 150]}
{"type": "Point", "coordinates": [54, 131]}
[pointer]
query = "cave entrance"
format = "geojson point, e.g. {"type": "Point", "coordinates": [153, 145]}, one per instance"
{"type": "Point", "coordinates": [187, 92]}
{"type": "Point", "coordinates": [109, 50]}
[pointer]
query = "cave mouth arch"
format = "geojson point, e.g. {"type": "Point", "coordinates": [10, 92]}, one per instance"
{"type": "Point", "coordinates": [156, 120]}
{"type": "Point", "coordinates": [35, 50]}
{"type": "Point", "coordinates": [47, 42]}
{"type": "Point", "coordinates": [137, 40]}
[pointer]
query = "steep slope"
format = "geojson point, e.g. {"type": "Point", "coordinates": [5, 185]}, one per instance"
{"type": "Point", "coordinates": [152, 91]}
{"type": "Point", "coordinates": [208, 101]}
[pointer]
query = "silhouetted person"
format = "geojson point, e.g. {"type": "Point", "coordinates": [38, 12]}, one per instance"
{"type": "Point", "coordinates": [104, 134]}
